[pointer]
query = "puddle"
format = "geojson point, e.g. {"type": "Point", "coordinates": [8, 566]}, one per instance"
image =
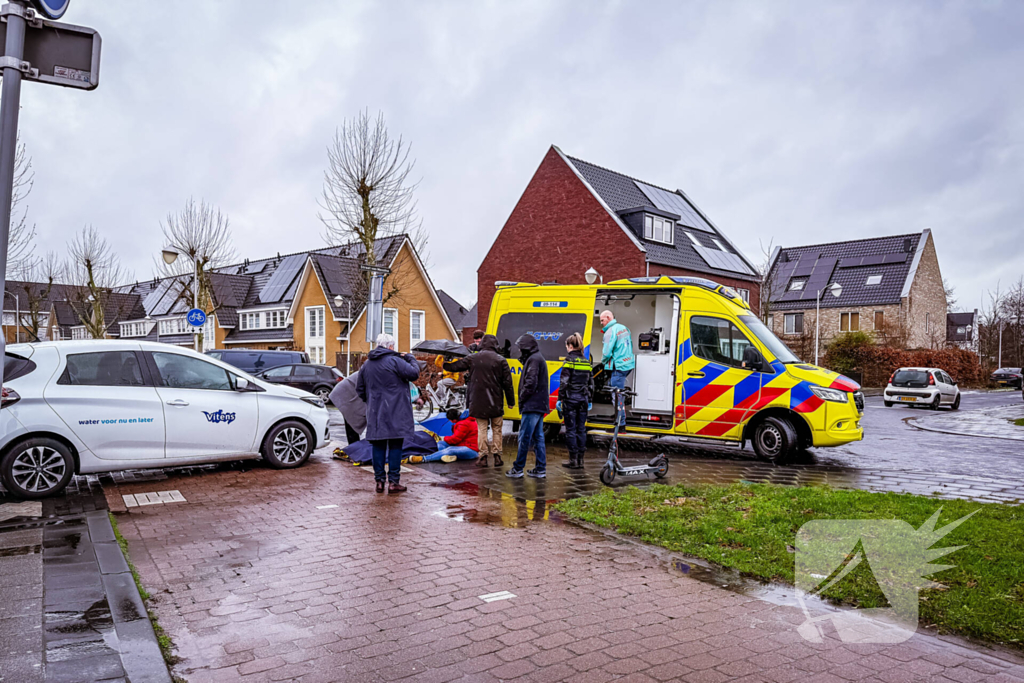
{"type": "Point", "coordinates": [21, 550]}
{"type": "Point", "coordinates": [510, 512]}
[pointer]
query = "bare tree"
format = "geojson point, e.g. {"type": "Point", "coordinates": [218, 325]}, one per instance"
{"type": "Point", "coordinates": [201, 235]}
{"type": "Point", "coordinates": [91, 271]}
{"type": "Point", "coordinates": [767, 272]}
{"type": "Point", "coordinates": [33, 293]}
{"type": "Point", "coordinates": [21, 259]}
{"type": "Point", "coordinates": [367, 192]}
{"type": "Point", "coordinates": [1011, 312]}
{"type": "Point", "coordinates": [950, 291]}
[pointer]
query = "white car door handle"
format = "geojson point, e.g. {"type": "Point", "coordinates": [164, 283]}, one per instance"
{"type": "Point", "coordinates": [177, 402]}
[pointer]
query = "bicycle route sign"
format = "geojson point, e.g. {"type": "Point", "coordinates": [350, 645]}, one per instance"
{"type": "Point", "coordinates": [196, 317]}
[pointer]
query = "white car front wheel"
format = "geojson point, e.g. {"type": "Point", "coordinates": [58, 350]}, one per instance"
{"type": "Point", "coordinates": [37, 468]}
{"type": "Point", "coordinates": [288, 445]}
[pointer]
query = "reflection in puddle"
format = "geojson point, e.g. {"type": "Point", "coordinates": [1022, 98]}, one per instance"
{"type": "Point", "coordinates": [510, 512]}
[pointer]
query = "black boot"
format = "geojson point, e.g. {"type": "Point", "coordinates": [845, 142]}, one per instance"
{"type": "Point", "coordinates": [579, 461]}
{"type": "Point", "coordinates": [570, 464]}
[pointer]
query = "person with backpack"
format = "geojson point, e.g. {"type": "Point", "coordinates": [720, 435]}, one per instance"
{"type": "Point", "coordinates": [575, 397]}
{"type": "Point", "coordinates": [534, 404]}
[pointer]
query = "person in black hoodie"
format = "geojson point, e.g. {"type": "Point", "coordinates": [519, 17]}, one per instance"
{"type": "Point", "coordinates": [575, 395]}
{"type": "Point", "coordinates": [534, 404]}
{"type": "Point", "coordinates": [489, 387]}
{"type": "Point", "coordinates": [384, 385]}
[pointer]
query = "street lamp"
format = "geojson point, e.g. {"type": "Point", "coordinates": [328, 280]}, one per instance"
{"type": "Point", "coordinates": [338, 301]}
{"type": "Point", "coordinates": [836, 290]}
{"type": "Point", "coordinates": [591, 276]}
{"type": "Point", "coordinates": [171, 255]}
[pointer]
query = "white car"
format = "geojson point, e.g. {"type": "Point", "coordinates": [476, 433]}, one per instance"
{"type": "Point", "coordinates": [77, 407]}
{"type": "Point", "coordinates": [929, 387]}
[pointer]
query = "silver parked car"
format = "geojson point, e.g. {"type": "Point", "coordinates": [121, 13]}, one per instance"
{"type": "Point", "coordinates": [928, 387]}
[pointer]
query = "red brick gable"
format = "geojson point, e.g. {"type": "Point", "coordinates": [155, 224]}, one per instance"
{"type": "Point", "coordinates": [557, 231]}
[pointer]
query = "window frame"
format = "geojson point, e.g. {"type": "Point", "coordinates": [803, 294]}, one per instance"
{"type": "Point", "coordinates": [394, 333]}
{"type": "Point", "coordinates": [734, 329]}
{"type": "Point", "coordinates": [797, 285]}
{"type": "Point", "coordinates": [875, 320]}
{"type": "Point", "coordinates": [849, 317]}
{"type": "Point", "coordinates": [795, 317]}
{"type": "Point", "coordinates": [413, 341]}
{"type": "Point", "coordinates": [868, 282]}
{"type": "Point", "coordinates": [744, 294]}
{"type": "Point", "coordinates": [667, 226]}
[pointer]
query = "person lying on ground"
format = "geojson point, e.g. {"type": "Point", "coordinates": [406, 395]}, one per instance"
{"type": "Point", "coordinates": [461, 445]}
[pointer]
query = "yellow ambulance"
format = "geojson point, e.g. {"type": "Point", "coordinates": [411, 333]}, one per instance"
{"type": "Point", "coordinates": [689, 337]}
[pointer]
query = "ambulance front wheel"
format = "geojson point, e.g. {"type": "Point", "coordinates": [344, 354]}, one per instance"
{"type": "Point", "coordinates": [775, 439]}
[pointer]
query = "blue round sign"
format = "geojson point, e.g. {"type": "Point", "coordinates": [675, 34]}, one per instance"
{"type": "Point", "coordinates": [196, 317]}
{"type": "Point", "coordinates": [51, 9]}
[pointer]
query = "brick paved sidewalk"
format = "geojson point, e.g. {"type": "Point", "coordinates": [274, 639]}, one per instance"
{"type": "Point", "coordinates": [992, 423]}
{"type": "Point", "coordinates": [254, 582]}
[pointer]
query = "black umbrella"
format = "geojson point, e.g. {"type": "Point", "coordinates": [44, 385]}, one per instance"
{"type": "Point", "coordinates": [442, 347]}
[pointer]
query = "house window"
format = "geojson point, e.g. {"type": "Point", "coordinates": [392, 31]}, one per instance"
{"type": "Point", "coordinates": [390, 325]}
{"type": "Point", "coordinates": [794, 323]}
{"type": "Point", "coordinates": [879, 320]}
{"type": "Point", "coordinates": [174, 326]}
{"type": "Point", "coordinates": [797, 285]}
{"type": "Point", "coordinates": [718, 244]}
{"type": "Point", "coordinates": [79, 333]}
{"type": "Point", "coordinates": [693, 239]}
{"type": "Point", "coordinates": [133, 330]}
{"type": "Point", "coordinates": [658, 229]}
{"type": "Point", "coordinates": [873, 280]}
{"type": "Point", "coordinates": [276, 318]}
{"type": "Point", "coordinates": [251, 321]}
{"type": "Point", "coordinates": [744, 294]}
{"type": "Point", "coordinates": [849, 322]}
{"type": "Point", "coordinates": [769, 321]}
{"type": "Point", "coordinates": [315, 342]}
{"type": "Point", "coordinates": [416, 325]}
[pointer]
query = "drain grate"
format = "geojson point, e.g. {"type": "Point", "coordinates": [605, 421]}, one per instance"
{"type": "Point", "coordinates": [133, 500]}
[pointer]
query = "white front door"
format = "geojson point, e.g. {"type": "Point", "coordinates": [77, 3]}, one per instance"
{"type": "Point", "coordinates": [204, 413]}
{"type": "Point", "coordinates": [316, 343]}
{"type": "Point", "coordinates": [104, 399]}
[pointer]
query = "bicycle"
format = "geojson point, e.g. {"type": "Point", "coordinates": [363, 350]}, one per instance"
{"type": "Point", "coordinates": [612, 467]}
{"type": "Point", "coordinates": [445, 397]}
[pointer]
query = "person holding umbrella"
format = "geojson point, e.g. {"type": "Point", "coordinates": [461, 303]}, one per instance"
{"type": "Point", "coordinates": [383, 384]}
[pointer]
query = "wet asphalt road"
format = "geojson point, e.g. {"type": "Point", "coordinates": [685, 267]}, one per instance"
{"type": "Point", "coordinates": [891, 444]}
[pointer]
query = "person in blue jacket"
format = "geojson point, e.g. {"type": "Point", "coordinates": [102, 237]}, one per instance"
{"type": "Point", "coordinates": [384, 385]}
{"type": "Point", "coordinates": [618, 354]}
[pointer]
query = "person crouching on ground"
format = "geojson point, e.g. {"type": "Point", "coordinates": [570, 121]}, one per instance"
{"type": "Point", "coordinates": [384, 385]}
{"type": "Point", "coordinates": [534, 404]}
{"type": "Point", "coordinates": [352, 408]}
{"type": "Point", "coordinates": [489, 380]}
{"type": "Point", "coordinates": [575, 395]}
{"type": "Point", "coordinates": [461, 445]}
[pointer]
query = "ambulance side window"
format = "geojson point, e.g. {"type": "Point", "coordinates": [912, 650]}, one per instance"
{"type": "Point", "coordinates": [718, 341]}
{"type": "Point", "coordinates": [549, 329]}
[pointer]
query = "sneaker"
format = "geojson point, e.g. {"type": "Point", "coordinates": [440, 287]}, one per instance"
{"type": "Point", "coordinates": [447, 458]}
{"type": "Point", "coordinates": [416, 459]}
{"type": "Point", "coordinates": [514, 474]}
{"type": "Point", "coordinates": [537, 474]}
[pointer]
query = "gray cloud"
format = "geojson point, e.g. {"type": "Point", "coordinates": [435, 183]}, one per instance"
{"type": "Point", "coordinates": [795, 122]}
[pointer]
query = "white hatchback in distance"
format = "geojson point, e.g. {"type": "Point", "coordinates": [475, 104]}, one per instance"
{"type": "Point", "coordinates": [928, 387]}
{"type": "Point", "coordinates": [104, 405]}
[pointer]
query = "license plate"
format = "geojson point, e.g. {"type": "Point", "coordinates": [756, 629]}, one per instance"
{"type": "Point", "coordinates": [1001, 381]}
{"type": "Point", "coordinates": [908, 399]}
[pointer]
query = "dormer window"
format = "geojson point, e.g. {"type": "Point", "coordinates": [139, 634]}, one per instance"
{"type": "Point", "coordinates": [658, 229]}
{"type": "Point", "coordinates": [718, 244]}
{"type": "Point", "coordinates": [873, 280]}
{"type": "Point", "coordinates": [693, 238]}
{"type": "Point", "coordinates": [797, 285]}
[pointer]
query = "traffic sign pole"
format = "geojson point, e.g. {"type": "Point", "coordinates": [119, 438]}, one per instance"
{"type": "Point", "coordinates": [10, 101]}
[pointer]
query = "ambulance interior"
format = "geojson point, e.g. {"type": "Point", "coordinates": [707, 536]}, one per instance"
{"type": "Point", "coordinates": [653, 321]}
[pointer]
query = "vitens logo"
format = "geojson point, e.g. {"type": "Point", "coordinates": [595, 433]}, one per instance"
{"type": "Point", "coordinates": [219, 416]}
{"type": "Point", "coordinates": [546, 336]}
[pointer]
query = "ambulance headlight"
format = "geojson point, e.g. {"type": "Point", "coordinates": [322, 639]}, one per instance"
{"type": "Point", "coordinates": [826, 394]}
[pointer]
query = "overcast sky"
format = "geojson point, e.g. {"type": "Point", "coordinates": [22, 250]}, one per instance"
{"type": "Point", "coordinates": [787, 122]}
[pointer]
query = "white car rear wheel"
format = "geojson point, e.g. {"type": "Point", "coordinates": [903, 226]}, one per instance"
{"type": "Point", "coordinates": [37, 468]}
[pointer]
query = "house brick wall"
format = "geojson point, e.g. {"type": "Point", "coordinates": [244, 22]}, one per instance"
{"type": "Point", "coordinates": [926, 307]}
{"type": "Point", "coordinates": [556, 231]}
{"type": "Point", "coordinates": [830, 325]}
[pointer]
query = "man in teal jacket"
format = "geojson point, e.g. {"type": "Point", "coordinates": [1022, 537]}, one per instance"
{"type": "Point", "coordinates": [617, 354]}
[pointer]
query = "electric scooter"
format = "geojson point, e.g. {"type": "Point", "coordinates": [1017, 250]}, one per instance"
{"type": "Point", "coordinates": [612, 467]}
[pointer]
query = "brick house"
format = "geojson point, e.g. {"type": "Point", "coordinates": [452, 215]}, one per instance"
{"type": "Point", "coordinates": [574, 216]}
{"type": "Point", "coordinates": [47, 313]}
{"type": "Point", "coordinates": [288, 302]}
{"type": "Point", "coordinates": [891, 287]}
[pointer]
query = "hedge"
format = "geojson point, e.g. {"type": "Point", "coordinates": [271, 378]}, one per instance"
{"type": "Point", "coordinates": [877, 363]}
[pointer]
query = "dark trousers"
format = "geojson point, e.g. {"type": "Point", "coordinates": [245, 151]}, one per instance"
{"type": "Point", "coordinates": [531, 433]}
{"type": "Point", "coordinates": [392, 450]}
{"type": "Point", "coordinates": [575, 416]}
{"type": "Point", "coordinates": [351, 434]}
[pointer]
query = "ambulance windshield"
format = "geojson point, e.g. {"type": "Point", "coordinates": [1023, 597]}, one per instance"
{"type": "Point", "coordinates": [774, 344]}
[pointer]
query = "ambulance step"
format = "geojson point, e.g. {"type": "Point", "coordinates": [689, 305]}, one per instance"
{"type": "Point", "coordinates": [623, 435]}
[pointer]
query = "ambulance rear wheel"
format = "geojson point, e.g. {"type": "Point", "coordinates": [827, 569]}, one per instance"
{"type": "Point", "coordinates": [775, 439]}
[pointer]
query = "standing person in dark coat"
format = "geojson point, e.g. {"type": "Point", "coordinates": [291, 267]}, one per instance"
{"type": "Point", "coordinates": [477, 336]}
{"type": "Point", "coordinates": [490, 380]}
{"type": "Point", "coordinates": [575, 395]}
{"type": "Point", "coordinates": [534, 404]}
{"type": "Point", "coordinates": [384, 385]}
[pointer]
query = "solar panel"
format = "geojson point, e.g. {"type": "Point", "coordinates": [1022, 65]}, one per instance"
{"type": "Point", "coordinates": [282, 278]}
{"type": "Point", "coordinates": [674, 203]}
{"type": "Point", "coordinates": [895, 258]}
{"type": "Point", "coordinates": [152, 299]}
{"type": "Point", "coordinates": [723, 260]}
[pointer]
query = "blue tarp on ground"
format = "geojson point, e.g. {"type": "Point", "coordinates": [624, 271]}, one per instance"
{"type": "Point", "coordinates": [420, 443]}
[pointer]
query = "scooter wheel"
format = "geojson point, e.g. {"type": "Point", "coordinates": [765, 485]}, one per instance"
{"type": "Point", "coordinates": [660, 465]}
{"type": "Point", "coordinates": [607, 475]}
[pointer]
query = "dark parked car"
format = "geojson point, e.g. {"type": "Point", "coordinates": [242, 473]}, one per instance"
{"type": "Point", "coordinates": [1009, 377]}
{"type": "Point", "coordinates": [316, 379]}
{"type": "Point", "coordinates": [254, 361]}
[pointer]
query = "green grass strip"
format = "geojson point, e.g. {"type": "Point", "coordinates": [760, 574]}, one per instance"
{"type": "Point", "coordinates": [753, 527]}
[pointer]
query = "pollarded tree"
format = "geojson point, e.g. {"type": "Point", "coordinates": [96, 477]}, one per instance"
{"type": "Point", "coordinates": [91, 272]}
